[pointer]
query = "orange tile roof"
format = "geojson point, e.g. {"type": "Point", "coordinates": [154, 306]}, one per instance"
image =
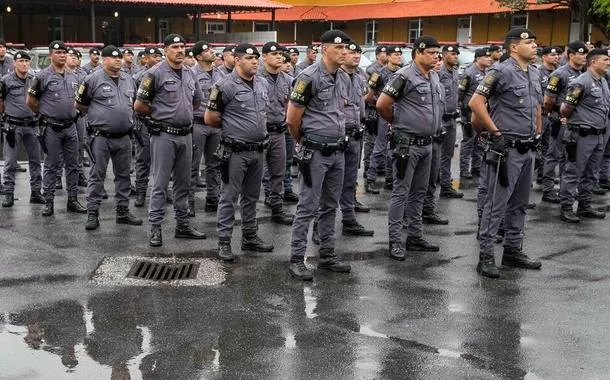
{"type": "Point", "coordinates": [252, 4]}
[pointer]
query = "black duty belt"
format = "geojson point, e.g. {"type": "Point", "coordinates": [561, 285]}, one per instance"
{"type": "Point", "coordinates": [522, 146]}
{"type": "Point", "coordinates": [162, 126]}
{"type": "Point", "coordinates": [57, 124]}
{"type": "Point", "coordinates": [587, 131]}
{"type": "Point", "coordinates": [96, 131]}
{"type": "Point", "coordinates": [276, 128]}
{"type": "Point", "coordinates": [326, 145]}
{"type": "Point", "coordinates": [440, 137]}
{"type": "Point", "coordinates": [354, 131]}
{"type": "Point", "coordinates": [19, 121]}
{"type": "Point", "coordinates": [452, 115]}
{"type": "Point", "coordinates": [243, 146]}
{"type": "Point", "coordinates": [410, 139]}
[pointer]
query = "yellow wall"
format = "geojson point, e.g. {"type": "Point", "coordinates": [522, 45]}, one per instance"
{"type": "Point", "coordinates": [442, 28]}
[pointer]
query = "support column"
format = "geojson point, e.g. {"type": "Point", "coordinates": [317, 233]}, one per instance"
{"type": "Point", "coordinates": [198, 25]}
{"type": "Point", "coordinates": [294, 36]}
{"type": "Point", "coordinates": [92, 21]}
{"type": "Point", "coordinates": [273, 20]}
{"type": "Point", "coordinates": [229, 22]}
{"type": "Point", "coordinates": [19, 24]}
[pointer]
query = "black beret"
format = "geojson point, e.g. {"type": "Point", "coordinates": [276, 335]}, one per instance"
{"type": "Point", "coordinates": [111, 51]}
{"type": "Point", "coordinates": [58, 45]}
{"type": "Point", "coordinates": [520, 34]}
{"type": "Point", "coordinates": [451, 49]}
{"type": "Point", "coordinates": [577, 47]}
{"type": "Point", "coordinates": [22, 55]}
{"type": "Point", "coordinates": [246, 49]}
{"type": "Point", "coordinates": [312, 47]}
{"type": "Point", "coordinates": [482, 52]}
{"type": "Point", "coordinates": [354, 47]}
{"type": "Point", "coordinates": [271, 47]}
{"type": "Point", "coordinates": [173, 39]}
{"type": "Point", "coordinates": [200, 47]}
{"type": "Point", "coordinates": [394, 49]}
{"type": "Point", "coordinates": [127, 51]}
{"type": "Point", "coordinates": [2, 42]}
{"type": "Point", "coordinates": [381, 49]}
{"type": "Point", "coordinates": [286, 56]}
{"type": "Point", "coordinates": [493, 48]}
{"type": "Point", "coordinates": [229, 49]}
{"type": "Point", "coordinates": [293, 50]}
{"type": "Point", "coordinates": [152, 50]}
{"type": "Point", "coordinates": [550, 50]}
{"type": "Point", "coordinates": [189, 52]}
{"type": "Point", "coordinates": [595, 52]}
{"type": "Point", "coordinates": [335, 37]}
{"type": "Point", "coordinates": [424, 42]}
{"type": "Point", "coordinates": [94, 51]}
{"type": "Point", "coordinates": [141, 53]}
{"type": "Point", "coordinates": [219, 55]}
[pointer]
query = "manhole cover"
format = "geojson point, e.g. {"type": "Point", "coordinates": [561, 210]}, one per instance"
{"type": "Point", "coordinates": [149, 270]}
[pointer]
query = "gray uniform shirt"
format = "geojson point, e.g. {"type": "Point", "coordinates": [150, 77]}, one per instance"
{"type": "Point", "coordinates": [374, 67]}
{"type": "Point", "coordinates": [545, 74]}
{"type": "Point", "coordinates": [89, 67]}
{"type": "Point", "coordinates": [279, 90]}
{"type": "Point", "coordinates": [449, 80]}
{"type": "Point", "coordinates": [324, 97]}
{"type": "Point", "coordinates": [243, 109]}
{"type": "Point", "coordinates": [224, 70]}
{"type": "Point", "coordinates": [513, 96]}
{"type": "Point", "coordinates": [110, 104]}
{"type": "Point", "coordinates": [304, 64]}
{"type": "Point", "coordinates": [206, 80]}
{"type": "Point", "coordinates": [12, 91]}
{"type": "Point", "coordinates": [418, 107]}
{"type": "Point", "coordinates": [7, 65]}
{"type": "Point", "coordinates": [558, 83]}
{"type": "Point", "coordinates": [169, 95]}
{"type": "Point", "coordinates": [354, 109]}
{"type": "Point", "coordinates": [589, 98]}
{"type": "Point", "coordinates": [468, 83]}
{"type": "Point", "coordinates": [55, 93]}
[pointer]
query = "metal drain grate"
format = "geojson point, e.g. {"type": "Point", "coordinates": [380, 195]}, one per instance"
{"type": "Point", "coordinates": [150, 270]}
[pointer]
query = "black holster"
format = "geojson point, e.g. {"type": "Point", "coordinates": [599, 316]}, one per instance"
{"type": "Point", "coordinates": [154, 128]}
{"type": "Point", "coordinates": [42, 130]}
{"type": "Point", "coordinates": [9, 134]}
{"type": "Point", "coordinates": [89, 145]}
{"type": "Point", "coordinates": [137, 132]}
{"type": "Point", "coordinates": [370, 122]}
{"type": "Point", "coordinates": [223, 154]}
{"type": "Point", "coordinates": [401, 159]}
{"type": "Point", "coordinates": [303, 158]}
{"type": "Point", "coordinates": [467, 129]}
{"type": "Point", "coordinates": [491, 158]}
{"type": "Point", "coordinates": [555, 126]}
{"type": "Point", "coordinates": [571, 149]}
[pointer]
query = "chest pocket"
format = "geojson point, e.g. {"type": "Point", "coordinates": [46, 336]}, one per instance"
{"type": "Point", "coordinates": [171, 89]}
{"type": "Point", "coordinates": [323, 97]}
{"type": "Point", "coordinates": [262, 101]}
{"type": "Point", "coordinates": [129, 95]}
{"type": "Point", "coordinates": [518, 96]}
{"type": "Point", "coordinates": [56, 90]}
{"type": "Point", "coordinates": [423, 94]}
{"type": "Point", "coordinates": [245, 100]}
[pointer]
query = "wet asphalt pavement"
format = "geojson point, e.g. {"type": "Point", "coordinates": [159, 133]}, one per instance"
{"type": "Point", "coordinates": [430, 317]}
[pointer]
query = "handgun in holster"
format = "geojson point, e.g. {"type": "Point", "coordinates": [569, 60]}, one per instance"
{"type": "Point", "coordinates": [136, 131]}
{"type": "Point", "coordinates": [370, 122]}
{"type": "Point", "coordinates": [223, 154]}
{"type": "Point", "coordinates": [555, 126]}
{"type": "Point", "coordinates": [492, 157]}
{"type": "Point", "coordinates": [9, 134]}
{"type": "Point", "coordinates": [154, 128]}
{"type": "Point", "coordinates": [571, 149]}
{"type": "Point", "coordinates": [400, 154]}
{"type": "Point", "coordinates": [303, 158]}
{"type": "Point", "coordinates": [42, 130]}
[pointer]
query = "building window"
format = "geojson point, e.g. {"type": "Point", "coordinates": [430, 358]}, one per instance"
{"type": "Point", "coordinates": [415, 29]}
{"type": "Point", "coordinates": [370, 36]}
{"type": "Point", "coordinates": [214, 27]}
{"type": "Point", "coordinates": [519, 20]}
{"type": "Point", "coordinates": [163, 29]}
{"type": "Point", "coordinates": [262, 27]}
{"type": "Point", "coordinates": [57, 28]}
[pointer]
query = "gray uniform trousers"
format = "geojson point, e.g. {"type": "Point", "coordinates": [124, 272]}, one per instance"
{"type": "Point", "coordinates": [289, 156]}
{"type": "Point", "coordinates": [579, 177]}
{"type": "Point", "coordinates": [470, 155]}
{"type": "Point", "coordinates": [322, 197]}
{"type": "Point", "coordinates": [66, 142]}
{"type": "Point", "coordinates": [350, 176]}
{"type": "Point", "coordinates": [509, 203]}
{"type": "Point", "coordinates": [435, 163]}
{"type": "Point", "coordinates": [142, 160]}
{"type": "Point", "coordinates": [206, 139]}
{"type": "Point", "coordinates": [369, 143]}
{"type": "Point", "coordinates": [119, 151]}
{"type": "Point", "coordinates": [408, 194]}
{"type": "Point", "coordinates": [171, 156]}
{"type": "Point", "coordinates": [554, 156]}
{"type": "Point", "coordinates": [379, 155]}
{"type": "Point", "coordinates": [82, 140]}
{"type": "Point", "coordinates": [245, 176]}
{"type": "Point", "coordinates": [275, 169]}
{"type": "Point", "coordinates": [604, 167]}
{"type": "Point", "coordinates": [447, 151]}
{"type": "Point", "coordinates": [27, 136]}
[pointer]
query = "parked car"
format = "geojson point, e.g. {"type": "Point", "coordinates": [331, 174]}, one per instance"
{"type": "Point", "coordinates": [364, 61]}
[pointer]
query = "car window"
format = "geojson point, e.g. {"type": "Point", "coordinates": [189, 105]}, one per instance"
{"type": "Point", "coordinates": [44, 60]}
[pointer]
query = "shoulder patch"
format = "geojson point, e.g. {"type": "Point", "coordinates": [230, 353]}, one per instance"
{"type": "Point", "coordinates": [553, 81]}
{"type": "Point", "coordinates": [489, 80]}
{"type": "Point", "coordinates": [146, 82]}
{"type": "Point", "coordinates": [576, 91]}
{"type": "Point", "coordinates": [213, 93]}
{"type": "Point", "coordinates": [300, 86]}
{"type": "Point", "coordinates": [81, 89]}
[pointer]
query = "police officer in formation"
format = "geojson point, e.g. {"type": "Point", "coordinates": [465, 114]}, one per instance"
{"type": "Point", "coordinates": [205, 138]}
{"type": "Point", "coordinates": [106, 97]}
{"type": "Point", "coordinates": [513, 120]}
{"type": "Point", "coordinates": [228, 60]}
{"type": "Point", "coordinates": [7, 64]}
{"type": "Point", "coordinates": [238, 106]}
{"type": "Point", "coordinates": [550, 59]}
{"type": "Point", "coordinates": [294, 59]}
{"type": "Point", "coordinates": [94, 60]}
{"type": "Point", "coordinates": [19, 127]}
{"type": "Point", "coordinates": [168, 94]}
{"type": "Point", "coordinates": [127, 66]}
{"type": "Point", "coordinates": [585, 106]}
{"type": "Point", "coordinates": [311, 55]}
{"type": "Point", "coordinates": [51, 96]}
{"type": "Point", "coordinates": [316, 120]}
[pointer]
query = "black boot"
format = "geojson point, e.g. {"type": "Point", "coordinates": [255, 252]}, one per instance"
{"type": "Point", "coordinates": [514, 257]}
{"type": "Point", "coordinates": [156, 238]}
{"type": "Point", "coordinates": [256, 244]}
{"type": "Point", "coordinates": [389, 184]}
{"type": "Point", "coordinates": [300, 271]}
{"type": "Point", "coordinates": [328, 260]}
{"type": "Point", "coordinates": [315, 236]}
{"type": "Point", "coordinates": [370, 187]}
{"type": "Point", "coordinates": [82, 181]}
{"type": "Point", "coordinates": [211, 205]}
{"type": "Point", "coordinates": [487, 266]}
{"type": "Point", "coordinates": [58, 184]}
{"type": "Point", "coordinates": [185, 231]}
{"type": "Point", "coordinates": [93, 220]}
{"type": "Point", "coordinates": [431, 217]}
{"type": "Point", "coordinates": [356, 229]}
{"type": "Point", "coordinates": [47, 210]}
{"type": "Point", "coordinates": [37, 198]}
{"type": "Point", "coordinates": [140, 200]}
{"type": "Point", "coordinates": [397, 252]}
{"type": "Point", "coordinates": [290, 197]}
{"type": "Point", "coordinates": [419, 244]}
{"type": "Point", "coordinates": [9, 200]}
{"type": "Point", "coordinates": [568, 215]}
{"type": "Point", "coordinates": [584, 210]}
{"type": "Point", "coordinates": [280, 216]}
{"type": "Point", "coordinates": [450, 192]}
{"type": "Point", "coordinates": [73, 205]}
{"type": "Point", "coordinates": [123, 216]}
{"type": "Point", "coordinates": [359, 207]}
{"type": "Point", "coordinates": [191, 208]}
{"type": "Point", "coordinates": [224, 250]}
{"type": "Point", "coordinates": [551, 197]}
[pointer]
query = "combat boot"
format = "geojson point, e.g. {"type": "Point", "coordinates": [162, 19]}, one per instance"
{"type": "Point", "coordinates": [256, 244]}
{"type": "Point", "coordinates": [140, 200]}
{"type": "Point", "coordinates": [584, 210]}
{"type": "Point", "coordinates": [450, 192]}
{"type": "Point", "coordinates": [359, 207]}
{"type": "Point", "coordinates": [397, 252]}
{"type": "Point", "coordinates": [328, 260]}
{"type": "Point", "coordinates": [93, 220]}
{"type": "Point", "coordinates": [47, 210]}
{"type": "Point", "coordinates": [280, 216]}
{"type": "Point", "coordinates": [369, 187]}
{"type": "Point", "coordinates": [82, 181]}
{"type": "Point", "coordinates": [568, 215]}
{"type": "Point", "coordinates": [487, 266]}
{"type": "Point", "coordinates": [604, 184]}
{"type": "Point", "coordinates": [431, 217]}
{"type": "Point", "coordinates": [224, 250]}
{"type": "Point", "coordinates": [211, 205]}
{"type": "Point", "coordinates": [73, 205]}
{"type": "Point", "coordinates": [418, 243]}
{"type": "Point", "coordinates": [551, 197]}
{"type": "Point", "coordinates": [37, 198]}
{"type": "Point", "coordinates": [9, 200]}
{"type": "Point", "coordinates": [514, 257]}
{"type": "Point", "coordinates": [185, 231]}
{"type": "Point", "coordinates": [290, 197]}
{"type": "Point", "coordinates": [123, 216]}
{"type": "Point", "coordinates": [300, 271]}
{"type": "Point", "coordinates": [389, 184]}
{"type": "Point", "coordinates": [156, 237]}
{"type": "Point", "coordinates": [354, 228]}
{"type": "Point", "coordinates": [58, 184]}
{"type": "Point", "coordinates": [191, 207]}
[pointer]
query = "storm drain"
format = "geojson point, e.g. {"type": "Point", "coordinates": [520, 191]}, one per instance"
{"type": "Point", "coordinates": [155, 271]}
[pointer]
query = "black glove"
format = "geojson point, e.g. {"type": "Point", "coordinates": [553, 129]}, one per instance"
{"type": "Point", "coordinates": [498, 144]}
{"type": "Point", "coordinates": [537, 142]}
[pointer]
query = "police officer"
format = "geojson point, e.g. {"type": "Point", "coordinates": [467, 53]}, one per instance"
{"type": "Point", "coordinates": [275, 156]}
{"type": "Point", "coordinates": [128, 66]}
{"type": "Point", "coordinates": [550, 58]}
{"type": "Point", "coordinates": [205, 137]}
{"type": "Point", "coordinates": [73, 63]}
{"type": "Point", "coordinates": [51, 95]}
{"type": "Point", "coordinates": [189, 60]}
{"type": "Point", "coordinates": [449, 79]}
{"type": "Point", "coordinates": [7, 64]}
{"type": "Point", "coordinates": [379, 156]}
{"type": "Point", "coordinates": [294, 60]}
{"type": "Point", "coordinates": [19, 127]}
{"type": "Point", "coordinates": [470, 157]}
{"type": "Point", "coordinates": [168, 94]}
{"type": "Point", "coordinates": [412, 103]}
{"type": "Point", "coordinates": [555, 93]}
{"type": "Point", "coordinates": [140, 61]}
{"type": "Point", "coordinates": [289, 195]}
{"type": "Point", "coordinates": [218, 59]}
{"type": "Point", "coordinates": [151, 57]}
{"type": "Point", "coordinates": [107, 96]}
{"type": "Point", "coordinates": [316, 118]}
{"type": "Point", "coordinates": [94, 60]}
{"type": "Point", "coordinates": [586, 107]}
{"type": "Point", "coordinates": [311, 54]}
{"type": "Point", "coordinates": [238, 105]}
{"type": "Point", "coordinates": [513, 92]}
{"type": "Point", "coordinates": [495, 52]}
{"type": "Point", "coordinates": [228, 60]}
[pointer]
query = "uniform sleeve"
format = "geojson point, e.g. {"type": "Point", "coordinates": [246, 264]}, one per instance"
{"type": "Point", "coordinates": [2, 89]}
{"type": "Point", "coordinates": [574, 95]}
{"type": "Point", "coordinates": [375, 82]}
{"type": "Point", "coordinates": [301, 91]}
{"type": "Point", "coordinates": [488, 86]}
{"type": "Point", "coordinates": [146, 91]}
{"type": "Point", "coordinates": [463, 83]}
{"type": "Point", "coordinates": [215, 102]}
{"type": "Point", "coordinates": [554, 86]}
{"type": "Point", "coordinates": [198, 96]}
{"type": "Point", "coordinates": [36, 89]}
{"type": "Point", "coordinates": [395, 86]}
{"type": "Point", "coordinates": [83, 95]}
